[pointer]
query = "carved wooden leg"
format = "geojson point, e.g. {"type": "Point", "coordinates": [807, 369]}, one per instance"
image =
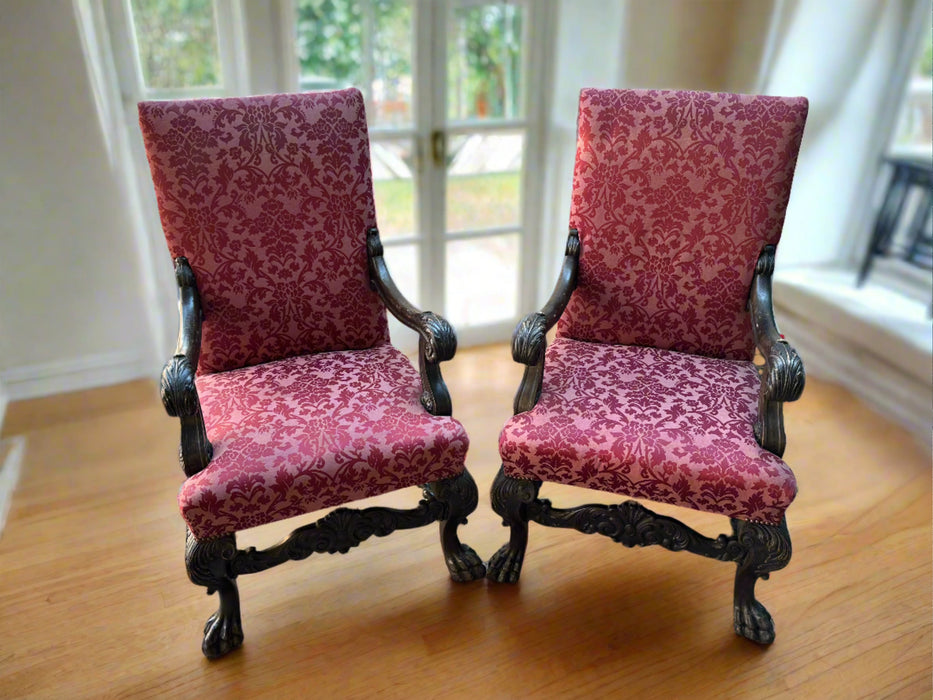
{"type": "Point", "coordinates": [510, 499]}
{"type": "Point", "coordinates": [460, 496]}
{"type": "Point", "coordinates": [208, 564]}
{"type": "Point", "coordinates": [769, 549]}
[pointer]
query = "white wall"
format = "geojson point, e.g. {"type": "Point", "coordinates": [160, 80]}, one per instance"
{"type": "Point", "coordinates": [679, 44]}
{"type": "Point", "coordinates": [753, 31]}
{"type": "Point", "coordinates": [71, 305]}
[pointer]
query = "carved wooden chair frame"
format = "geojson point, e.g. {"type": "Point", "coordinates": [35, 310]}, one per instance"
{"type": "Point", "coordinates": [216, 563]}
{"type": "Point", "coordinates": [756, 548]}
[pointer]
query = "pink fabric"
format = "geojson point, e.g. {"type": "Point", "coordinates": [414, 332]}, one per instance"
{"type": "Point", "coordinates": [308, 432]}
{"type": "Point", "coordinates": [270, 199]}
{"type": "Point", "coordinates": [674, 196]}
{"type": "Point", "coordinates": [653, 424]}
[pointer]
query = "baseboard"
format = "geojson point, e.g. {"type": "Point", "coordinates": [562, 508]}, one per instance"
{"type": "Point", "coordinates": [4, 400]}
{"type": "Point", "coordinates": [33, 381]}
{"type": "Point", "coordinates": [11, 457]}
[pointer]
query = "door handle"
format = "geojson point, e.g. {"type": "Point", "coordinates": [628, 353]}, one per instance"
{"type": "Point", "coordinates": [439, 148]}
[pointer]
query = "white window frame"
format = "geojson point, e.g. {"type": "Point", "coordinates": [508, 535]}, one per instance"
{"type": "Point", "coordinates": [231, 48]}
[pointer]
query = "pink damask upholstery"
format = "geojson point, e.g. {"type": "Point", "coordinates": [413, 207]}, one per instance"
{"type": "Point", "coordinates": [270, 199]}
{"type": "Point", "coordinates": [308, 432]}
{"type": "Point", "coordinates": [674, 196]}
{"type": "Point", "coordinates": [650, 423]}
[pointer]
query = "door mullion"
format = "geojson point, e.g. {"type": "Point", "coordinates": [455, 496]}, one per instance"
{"type": "Point", "coordinates": [439, 123]}
{"type": "Point", "coordinates": [429, 75]}
{"type": "Point", "coordinates": [540, 73]}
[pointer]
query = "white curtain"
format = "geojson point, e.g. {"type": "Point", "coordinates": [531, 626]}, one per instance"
{"type": "Point", "coordinates": [848, 59]}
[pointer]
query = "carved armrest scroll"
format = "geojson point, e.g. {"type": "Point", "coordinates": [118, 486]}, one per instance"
{"type": "Point", "coordinates": [529, 341]}
{"type": "Point", "coordinates": [437, 340]}
{"type": "Point", "coordinates": [177, 385]}
{"type": "Point", "coordinates": [782, 377]}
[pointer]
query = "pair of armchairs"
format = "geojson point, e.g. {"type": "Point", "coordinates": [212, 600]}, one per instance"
{"type": "Point", "coordinates": [292, 399]}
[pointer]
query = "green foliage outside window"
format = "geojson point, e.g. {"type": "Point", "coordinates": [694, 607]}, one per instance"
{"type": "Point", "coordinates": [177, 41]}
{"type": "Point", "coordinates": [484, 62]}
{"type": "Point", "coordinates": [331, 39]}
{"type": "Point", "coordinates": [484, 57]}
{"type": "Point", "coordinates": [925, 65]}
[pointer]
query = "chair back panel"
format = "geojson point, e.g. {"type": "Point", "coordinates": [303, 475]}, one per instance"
{"type": "Point", "coordinates": [269, 198]}
{"type": "Point", "coordinates": [674, 195]}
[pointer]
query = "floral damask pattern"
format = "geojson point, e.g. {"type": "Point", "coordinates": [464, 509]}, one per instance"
{"type": "Point", "coordinates": [674, 196]}
{"type": "Point", "coordinates": [650, 423]}
{"type": "Point", "coordinates": [270, 199]}
{"type": "Point", "coordinates": [308, 432]}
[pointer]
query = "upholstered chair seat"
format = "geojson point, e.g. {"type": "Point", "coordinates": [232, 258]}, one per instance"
{"type": "Point", "coordinates": [653, 424]}
{"type": "Point", "coordinates": [308, 432]}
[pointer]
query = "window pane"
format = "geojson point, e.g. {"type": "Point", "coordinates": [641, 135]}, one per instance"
{"type": "Point", "coordinates": [484, 181]}
{"type": "Point", "coordinates": [484, 62]}
{"type": "Point", "coordinates": [914, 132]}
{"type": "Point", "coordinates": [396, 201]}
{"type": "Point", "coordinates": [330, 43]}
{"type": "Point", "coordinates": [177, 43]}
{"type": "Point", "coordinates": [402, 261]}
{"type": "Point", "coordinates": [366, 43]}
{"type": "Point", "coordinates": [392, 42]}
{"type": "Point", "coordinates": [482, 280]}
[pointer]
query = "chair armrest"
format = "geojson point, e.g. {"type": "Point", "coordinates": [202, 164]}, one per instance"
{"type": "Point", "coordinates": [177, 386]}
{"type": "Point", "coordinates": [782, 376]}
{"type": "Point", "coordinates": [437, 340]}
{"type": "Point", "coordinates": [529, 341]}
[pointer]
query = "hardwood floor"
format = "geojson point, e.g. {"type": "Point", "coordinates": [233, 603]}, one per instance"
{"type": "Point", "coordinates": [95, 601]}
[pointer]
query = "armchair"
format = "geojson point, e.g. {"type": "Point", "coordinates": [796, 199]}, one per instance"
{"type": "Point", "coordinates": [290, 396]}
{"type": "Point", "coordinates": [649, 389]}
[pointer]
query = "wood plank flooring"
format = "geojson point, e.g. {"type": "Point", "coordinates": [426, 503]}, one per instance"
{"type": "Point", "coordinates": [94, 600]}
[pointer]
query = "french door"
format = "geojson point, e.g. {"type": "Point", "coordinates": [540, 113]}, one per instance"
{"type": "Point", "coordinates": [454, 100]}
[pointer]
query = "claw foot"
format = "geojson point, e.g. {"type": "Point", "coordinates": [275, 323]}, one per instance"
{"type": "Point", "coordinates": [465, 565]}
{"type": "Point", "coordinates": [753, 622]}
{"type": "Point", "coordinates": [505, 565]}
{"type": "Point", "coordinates": [222, 634]}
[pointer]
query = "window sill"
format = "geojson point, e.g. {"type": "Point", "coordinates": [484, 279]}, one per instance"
{"type": "Point", "coordinates": [873, 340]}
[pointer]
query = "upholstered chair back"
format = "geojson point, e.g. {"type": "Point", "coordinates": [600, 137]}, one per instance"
{"type": "Point", "coordinates": [674, 196]}
{"type": "Point", "coordinates": [269, 198]}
